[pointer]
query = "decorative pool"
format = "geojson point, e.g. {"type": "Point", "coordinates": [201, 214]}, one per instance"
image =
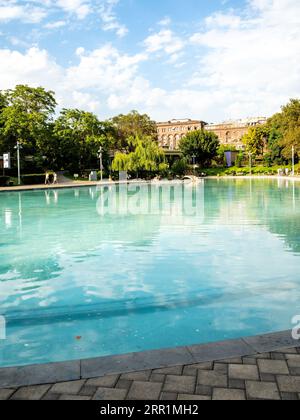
{"type": "Point", "coordinates": [89, 272]}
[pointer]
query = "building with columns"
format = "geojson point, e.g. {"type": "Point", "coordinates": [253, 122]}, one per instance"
{"type": "Point", "coordinates": [230, 132]}
{"type": "Point", "coordinates": [171, 132]}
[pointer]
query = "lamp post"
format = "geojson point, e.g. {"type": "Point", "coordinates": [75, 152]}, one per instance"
{"type": "Point", "coordinates": [18, 147]}
{"type": "Point", "coordinates": [100, 155]}
{"type": "Point", "coordinates": [293, 160]}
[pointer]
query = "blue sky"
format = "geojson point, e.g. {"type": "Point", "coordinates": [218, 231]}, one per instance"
{"type": "Point", "coordinates": [211, 60]}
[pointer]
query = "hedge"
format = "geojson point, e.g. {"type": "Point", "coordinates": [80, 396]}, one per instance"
{"type": "Point", "coordinates": [33, 179]}
{"type": "Point", "coordinates": [4, 181]}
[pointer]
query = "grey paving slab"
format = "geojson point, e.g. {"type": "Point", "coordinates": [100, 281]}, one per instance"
{"type": "Point", "coordinates": [272, 342]}
{"type": "Point", "coordinates": [69, 388]}
{"type": "Point", "coordinates": [39, 374]}
{"type": "Point", "coordinates": [289, 383]}
{"type": "Point", "coordinates": [243, 372]}
{"type": "Point", "coordinates": [220, 350]}
{"type": "Point", "coordinates": [274, 367]}
{"type": "Point", "coordinates": [135, 362]}
{"type": "Point", "coordinates": [180, 384]}
{"type": "Point", "coordinates": [6, 393]}
{"type": "Point", "coordinates": [31, 392]}
{"type": "Point", "coordinates": [262, 391]}
{"type": "Point", "coordinates": [110, 394]}
{"type": "Point", "coordinates": [225, 394]}
{"type": "Point", "coordinates": [144, 391]}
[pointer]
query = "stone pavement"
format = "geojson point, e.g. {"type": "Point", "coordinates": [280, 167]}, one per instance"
{"type": "Point", "coordinates": [267, 376]}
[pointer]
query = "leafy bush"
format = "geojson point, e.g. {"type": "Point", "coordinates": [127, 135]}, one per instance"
{"type": "Point", "coordinates": [33, 179]}
{"type": "Point", "coordinates": [4, 181]}
{"type": "Point", "coordinates": [179, 167]}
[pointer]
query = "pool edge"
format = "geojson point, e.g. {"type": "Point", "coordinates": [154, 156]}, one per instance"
{"type": "Point", "coordinates": [133, 362]}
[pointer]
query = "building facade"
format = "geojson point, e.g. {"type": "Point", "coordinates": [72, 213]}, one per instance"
{"type": "Point", "coordinates": [171, 132]}
{"type": "Point", "coordinates": [230, 132]}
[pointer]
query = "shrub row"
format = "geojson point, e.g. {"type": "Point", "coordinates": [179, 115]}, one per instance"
{"type": "Point", "coordinates": [33, 179]}
{"type": "Point", "coordinates": [4, 181]}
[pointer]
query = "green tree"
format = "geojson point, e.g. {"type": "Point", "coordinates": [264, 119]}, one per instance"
{"type": "Point", "coordinates": [290, 127]}
{"type": "Point", "coordinates": [201, 144]}
{"type": "Point", "coordinates": [255, 140]}
{"type": "Point", "coordinates": [26, 117]}
{"type": "Point", "coordinates": [77, 138]}
{"type": "Point", "coordinates": [130, 126]}
{"type": "Point", "coordinates": [146, 157]}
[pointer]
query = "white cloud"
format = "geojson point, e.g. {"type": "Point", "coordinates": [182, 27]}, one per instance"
{"type": "Point", "coordinates": [81, 8]}
{"type": "Point", "coordinates": [28, 13]}
{"type": "Point", "coordinates": [165, 21]}
{"type": "Point", "coordinates": [56, 25]}
{"type": "Point", "coordinates": [164, 40]}
{"type": "Point", "coordinates": [254, 57]}
{"type": "Point", "coordinates": [243, 63]}
{"type": "Point", "coordinates": [109, 19]}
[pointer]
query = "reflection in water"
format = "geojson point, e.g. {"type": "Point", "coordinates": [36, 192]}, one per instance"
{"type": "Point", "coordinates": [115, 265]}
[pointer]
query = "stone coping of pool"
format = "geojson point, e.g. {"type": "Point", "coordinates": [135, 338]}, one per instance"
{"type": "Point", "coordinates": [135, 362]}
{"type": "Point", "coordinates": [81, 184]}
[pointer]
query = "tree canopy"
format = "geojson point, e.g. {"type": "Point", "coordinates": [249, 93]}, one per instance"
{"type": "Point", "coordinates": [78, 136]}
{"type": "Point", "coordinates": [255, 140]}
{"type": "Point", "coordinates": [132, 125]}
{"type": "Point", "coordinates": [146, 157]}
{"type": "Point", "coordinates": [201, 144]}
{"type": "Point", "coordinates": [26, 117]}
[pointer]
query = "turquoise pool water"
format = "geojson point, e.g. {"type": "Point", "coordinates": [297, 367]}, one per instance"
{"type": "Point", "coordinates": [100, 271]}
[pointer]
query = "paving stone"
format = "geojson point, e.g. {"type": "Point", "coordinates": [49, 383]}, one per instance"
{"type": "Point", "coordinates": [262, 356]}
{"type": "Point", "coordinates": [262, 391]}
{"type": "Point", "coordinates": [69, 388]}
{"type": "Point", "coordinates": [123, 384]}
{"type": "Point", "coordinates": [278, 356]}
{"type": "Point", "coordinates": [104, 381]}
{"type": "Point", "coordinates": [66, 397]}
{"type": "Point", "coordinates": [220, 351]}
{"type": "Point", "coordinates": [212, 379]}
{"type": "Point", "coordinates": [177, 370]}
{"type": "Point", "coordinates": [192, 370]}
{"type": "Point", "coordinates": [88, 391]}
{"type": "Point", "coordinates": [287, 351]}
{"type": "Point", "coordinates": [271, 342]}
{"type": "Point", "coordinates": [225, 394]}
{"type": "Point", "coordinates": [51, 397]}
{"type": "Point", "coordinates": [31, 392]}
{"type": "Point", "coordinates": [157, 377]}
{"type": "Point", "coordinates": [204, 390]}
{"type": "Point", "coordinates": [249, 361]}
{"type": "Point", "coordinates": [275, 367]}
{"type": "Point", "coordinates": [189, 397]}
{"type": "Point", "coordinates": [267, 377]}
{"type": "Point", "coordinates": [288, 396]}
{"type": "Point", "coordinates": [110, 394]}
{"type": "Point", "coordinates": [221, 368]}
{"type": "Point", "coordinates": [168, 396]}
{"type": "Point", "coordinates": [243, 372]}
{"type": "Point", "coordinates": [294, 371]}
{"type": "Point", "coordinates": [39, 374]}
{"type": "Point", "coordinates": [289, 383]}
{"type": "Point", "coordinates": [237, 384]}
{"type": "Point", "coordinates": [234, 361]}
{"type": "Point", "coordinates": [5, 393]}
{"type": "Point", "coordinates": [144, 391]}
{"type": "Point", "coordinates": [180, 384]}
{"type": "Point", "coordinates": [293, 360]}
{"type": "Point", "coordinates": [137, 376]}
